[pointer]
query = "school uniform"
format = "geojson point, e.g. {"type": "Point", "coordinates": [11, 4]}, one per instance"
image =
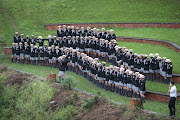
{"type": "Point", "coordinates": [98, 35]}
{"type": "Point", "coordinates": [21, 48]}
{"type": "Point", "coordinates": [103, 35]}
{"type": "Point", "coordinates": [50, 55]}
{"type": "Point", "coordinates": [55, 42]}
{"type": "Point", "coordinates": [152, 65]}
{"type": "Point", "coordinates": [108, 37]}
{"type": "Point", "coordinates": [113, 36]}
{"type": "Point", "coordinates": [73, 33]}
{"type": "Point", "coordinates": [94, 34]}
{"type": "Point", "coordinates": [137, 88]}
{"type": "Point", "coordinates": [69, 42]}
{"type": "Point", "coordinates": [63, 66]}
{"type": "Point", "coordinates": [27, 50]}
{"type": "Point", "coordinates": [41, 43]}
{"type": "Point", "coordinates": [86, 45]}
{"type": "Point", "coordinates": [17, 51]}
{"type": "Point", "coordinates": [83, 33]}
{"type": "Point", "coordinates": [78, 33]}
{"type": "Point", "coordinates": [33, 41]}
{"type": "Point", "coordinates": [64, 32]}
{"type": "Point", "coordinates": [69, 31]}
{"type": "Point", "coordinates": [50, 42]}
{"type": "Point", "coordinates": [89, 33]}
{"type": "Point", "coordinates": [16, 39]}
{"type": "Point", "coordinates": [61, 43]}
{"type": "Point", "coordinates": [46, 56]}
{"type": "Point", "coordinates": [22, 40]}
{"type": "Point", "coordinates": [14, 51]}
{"type": "Point", "coordinates": [36, 55]}
{"type": "Point", "coordinates": [32, 55]}
{"type": "Point", "coordinates": [28, 41]}
{"type": "Point", "coordinates": [59, 33]}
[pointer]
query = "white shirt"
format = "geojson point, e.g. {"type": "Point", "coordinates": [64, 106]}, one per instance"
{"type": "Point", "coordinates": [173, 91]}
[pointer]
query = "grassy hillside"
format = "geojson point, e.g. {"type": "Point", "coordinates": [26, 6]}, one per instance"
{"type": "Point", "coordinates": [30, 16]}
{"type": "Point", "coordinates": [167, 34]}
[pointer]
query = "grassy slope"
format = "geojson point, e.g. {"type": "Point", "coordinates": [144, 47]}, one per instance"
{"type": "Point", "coordinates": [172, 35]}
{"type": "Point", "coordinates": [30, 16]}
{"type": "Point", "coordinates": [83, 84]}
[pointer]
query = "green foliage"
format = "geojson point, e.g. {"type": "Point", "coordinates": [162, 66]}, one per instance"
{"type": "Point", "coordinates": [66, 113]}
{"type": "Point", "coordinates": [75, 96]}
{"type": "Point", "coordinates": [69, 82]}
{"type": "Point", "coordinates": [89, 103]}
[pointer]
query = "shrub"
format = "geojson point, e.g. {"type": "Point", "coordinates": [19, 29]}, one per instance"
{"type": "Point", "coordinates": [89, 103]}
{"type": "Point", "coordinates": [69, 82]}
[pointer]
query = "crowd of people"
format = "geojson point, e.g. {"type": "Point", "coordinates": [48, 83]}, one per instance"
{"type": "Point", "coordinates": [81, 51]}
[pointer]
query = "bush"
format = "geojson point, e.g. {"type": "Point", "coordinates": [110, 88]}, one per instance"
{"type": "Point", "coordinates": [89, 103]}
{"type": "Point", "coordinates": [69, 82]}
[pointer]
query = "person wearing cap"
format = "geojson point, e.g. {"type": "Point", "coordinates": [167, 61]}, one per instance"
{"type": "Point", "coordinates": [173, 95]}
{"type": "Point", "coordinates": [13, 52]}
{"type": "Point", "coordinates": [146, 67]}
{"type": "Point", "coordinates": [17, 52]}
{"type": "Point", "coordinates": [22, 40]}
{"type": "Point", "coordinates": [16, 38]}
{"type": "Point", "coordinates": [73, 32]}
{"type": "Point", "coordinates": [152, 67]}
{"type": "Point", "coordinates": [113, 36]}
{"type": "Point", "coordinates": [50, 40]}
{"type": "Point", "coordinates": [169, 71]}
{"type": "Point", "coordinates": [69, 31]}
{"type": "Point", "coordinates": [78, 32]}
{"type": "Point", "coordinates": [83, 32]}
{"type": "Point", "coordinates": [33, 40]}
{"type": "Point", "coordinates": [46, 55]}
{"type": "Point", "coordinates": [55, 41]}
{"type": "Point", "coordinates": [108, 36]}
{"type": "Point", "coordinates": [36, 55]}
{"type": "Point", "coordinates": [142, 88]}
{"type": "Point", "coordinates": [21, 48]}
{"type": "Point", "coordinates": [50, 54]}
{"type": "Point", "coordinates": [59, 31]}
{"type": "Point", "coordinates": [88, 31]}
{"type": "Point", "coordinates": [41, 52]}
{"type": "Point", "coordinates": [64, 31]}
{"type": "Point", "coordinates": [136, 93]}
{"type": "Point", "coordinates": [27, 50]}
{"type": "Point", "coordinates": [27, 39]}
{"type": "Point", "coordinates": [32, 54]}
{"type": "Point", "coordinates": [129, 83]}
{"type": "Point", "coordinates": [103, 33]}
{"type": "Point", "coordinates": [111, 78]}
{"type": "Point", "coordinates": [107, 78]}
{"type": "Point", "coordinates": [40, 40]}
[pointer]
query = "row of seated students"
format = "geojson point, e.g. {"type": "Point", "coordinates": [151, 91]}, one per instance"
{"type": "Point", "coordinates": [154, 68]}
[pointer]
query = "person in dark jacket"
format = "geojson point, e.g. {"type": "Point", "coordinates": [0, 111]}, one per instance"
{"type": "Point", "coordinates": [152, 67]}
{"type": "Point", "coordinates": [33, 40]}
{"type": "Point", "coordinates": [27, 50]}
{"type": "Point", "coordinates": [36, 54]}
{"type": "Point", "coordinates": [83, 32]}
{"type": "Point", "coordinates": [22, 40]}
{"type": "Point", "coordinates": [40, 40]}
{"type": "Point", "coordinates": [27, 39]}
{"type": "Point", "coordinates": [16, 38]}
{"type": "Point", "coordinates": [59, 31]}
{"type": "Point", "coordinates": [46, 55]}
{"type": "Point", "coordinates": [21, 48]}
{"type": "Point", "coordinates": [17, 52]}
{"type": "Point", "coordinates": [146, 67]}
{"type": "Point", "coordinates": [142, 88]}
{"type": "Point", "coordinates": [50, 40]}
{"type": "Point", "coordinates": [113, 36]}
{"type": "Point", "coordinates": [13, 52]}
{"type": "Point", "coordinates": [41, 54]}
{"type": "Point", "coordinates": [88, 31]}
{"type": "Point", "coordinates": [103, 33]}
{"type": "Point", "coordinates": [63, 65]}
{"type": "Point", "coordinates": [32, 54]}
{"type": "Point", "coordinates": [168, 77]}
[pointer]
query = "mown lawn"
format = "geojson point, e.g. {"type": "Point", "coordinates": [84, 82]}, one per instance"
{"type": "Point", "coordinates": [30, 16]}
{"type": "Point", "coordinates": [83, 84]}
{"type": "Point", "coordinates": [168, 34]}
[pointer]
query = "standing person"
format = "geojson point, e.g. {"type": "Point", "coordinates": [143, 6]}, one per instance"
{"type": "Point", "coordinates": [14, 52]}
{"type": "Point", "coordinates": [17, 52]}
{"type": "Point", "coordinates": [41, 42]}
{"type": "Point", "coordinates": [32, 54]}
{"type": "Point", "coordinates": [169, 71]}
{"type": "Point", "coordinates": [16, 38]}
{"type": "Point", "coordinates": [63, 61]}
{"type": "Point", "coordinates": [27, 39]}
{"type": "Point", "coordinates": [142, 87]}
{"type": "Point", "coordinates": [41, 52]}
{"type": "Point", "coordinates": [36, 54]}
{"type": "Point", "coordinates": [59, 31]}
{"type": "Point", "coordinates": [173, 94]}
{"type": "Point", "coordinates": [33, 40]}
{"type": "Point", "coordinates": [21, 48]}
{"type": "Point", "coordinates": [46, 55]}
{"type": "Point", "coordinates": [27, 50]}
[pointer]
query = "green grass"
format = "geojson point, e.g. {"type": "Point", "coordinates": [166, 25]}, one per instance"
{"type": "Point", "coordinates": [83, 84]}
{"type": "Point", "coordinates": [141, 48]}
{"type": "Point", "coordinates": [32, 16]}
{"type": "Point", "coordinates": [167, 34]}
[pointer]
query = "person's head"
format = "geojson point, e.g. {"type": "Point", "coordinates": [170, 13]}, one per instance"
{"type": "Point", "coordinates": [171, 83]}
{"type": "Point", "coordinates": [16, 33]}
